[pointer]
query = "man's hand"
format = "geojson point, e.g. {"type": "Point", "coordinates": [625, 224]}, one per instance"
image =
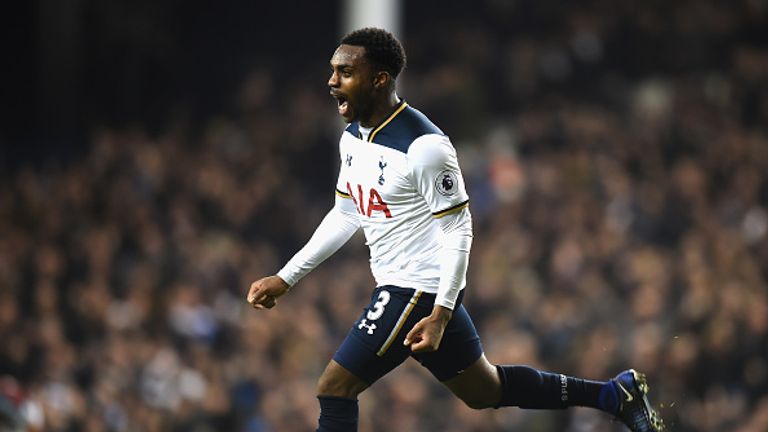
{"type": "Point", "coordinates": [426, 335]}
{"type": "Point", "coordinates": [265, 292]}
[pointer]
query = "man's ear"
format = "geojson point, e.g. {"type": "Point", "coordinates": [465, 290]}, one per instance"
{"type": "Point", "coordinates": [382, 79]}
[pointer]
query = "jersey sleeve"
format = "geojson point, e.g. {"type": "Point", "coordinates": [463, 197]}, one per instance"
{"type": "Point", "coordinates": [436, 174]}
{"type": "Point", "coordinates": [435, 170]}
{"type": "Point", "coordinates": [336, 228]}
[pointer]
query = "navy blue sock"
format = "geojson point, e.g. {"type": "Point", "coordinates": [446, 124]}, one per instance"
{"type": "Point", "coordinates": [337, 414]}
{"type": "Point", "coordinates": [525, 387]}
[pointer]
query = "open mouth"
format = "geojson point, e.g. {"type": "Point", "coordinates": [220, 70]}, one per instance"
{"type": "Point", "coordinates": [343, 104]}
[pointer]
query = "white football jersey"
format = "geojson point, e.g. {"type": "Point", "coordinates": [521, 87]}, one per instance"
{"type": "Point", "coordinates": [399, 180]}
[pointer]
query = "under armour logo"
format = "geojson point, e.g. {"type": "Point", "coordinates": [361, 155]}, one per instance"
{"type": "Point", "coordinates": [349, 160]}
{"type": "Point", "coordinates": [382, 165]}
{"type": "Point", "coordinates": [364, 323]}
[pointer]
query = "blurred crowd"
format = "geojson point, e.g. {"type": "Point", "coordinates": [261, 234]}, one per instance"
{"type": "Point", "coordinates": [617, 163]}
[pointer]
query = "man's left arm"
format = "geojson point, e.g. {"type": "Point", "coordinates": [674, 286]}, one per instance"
{"type": "Point", "coordinates": [435, 170]}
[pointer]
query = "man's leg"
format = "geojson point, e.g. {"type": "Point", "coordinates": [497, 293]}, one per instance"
{"type": "Point", "coordinates": [460, 364]}
{"type": "Point", "coordinates": [372, 348]}
{"type": "Point", "coordinates": [484, 385]}
{"type": "Point", "coordinates": [337, 391]}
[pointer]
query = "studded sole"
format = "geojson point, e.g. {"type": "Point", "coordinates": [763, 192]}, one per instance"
{"type": "Point", "coordinates": [642, 385]}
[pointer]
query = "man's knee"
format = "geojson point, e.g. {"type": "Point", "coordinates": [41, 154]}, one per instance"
{"type": "Point", "coordinates": [330, 385]}
{"type": "Point", "coordinates": [478, 386]}
{"type": "Point", "coordinates": [337, 381]}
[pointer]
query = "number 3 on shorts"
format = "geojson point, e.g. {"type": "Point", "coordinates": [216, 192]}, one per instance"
{"type": "Point", "coordinates": [378, 307]}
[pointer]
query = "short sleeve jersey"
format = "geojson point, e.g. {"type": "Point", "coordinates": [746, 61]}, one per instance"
{"type": "Point", "coordinates": [399, 181]}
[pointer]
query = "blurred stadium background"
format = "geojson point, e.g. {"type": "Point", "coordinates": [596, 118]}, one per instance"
{"type": "Point", "coordinates": [156, 157]}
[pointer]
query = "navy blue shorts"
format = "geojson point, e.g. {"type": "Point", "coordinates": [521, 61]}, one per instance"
{"type": "Point", "coordinates": [374, 345]}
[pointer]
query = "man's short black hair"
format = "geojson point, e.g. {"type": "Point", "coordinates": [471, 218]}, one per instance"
{"type": "Point", "coordinates": [381, 48]}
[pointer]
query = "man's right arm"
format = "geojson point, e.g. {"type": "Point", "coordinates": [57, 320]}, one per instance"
{"type": "Point", "coordinates": [337, 228]}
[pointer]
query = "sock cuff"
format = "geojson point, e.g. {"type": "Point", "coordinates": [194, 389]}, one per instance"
{"type": "Point", "coordinates": [526, 387]}
{"type": "Point", "coordinates": [336, 398]}
{"type": "Point", "coordinates": [338, 407]}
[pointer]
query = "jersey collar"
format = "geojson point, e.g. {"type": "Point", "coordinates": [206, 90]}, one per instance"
{"type": "Point", "coordinates": [395, 111]}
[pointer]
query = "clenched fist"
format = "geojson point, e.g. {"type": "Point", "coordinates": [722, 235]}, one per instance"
{"type": "Point", "coordinates": [265, 292]}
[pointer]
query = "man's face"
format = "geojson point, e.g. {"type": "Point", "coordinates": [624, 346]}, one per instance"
{"type": "Point", "coordinates": [351, 82]}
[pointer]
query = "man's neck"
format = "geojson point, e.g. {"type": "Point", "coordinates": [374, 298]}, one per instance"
{"type": "Point", "coordinates": [381, 111]}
